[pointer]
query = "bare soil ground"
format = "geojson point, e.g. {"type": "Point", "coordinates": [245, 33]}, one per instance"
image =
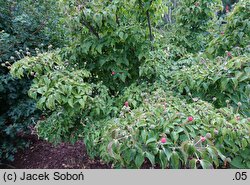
{"type": "Point", "coordinates": [43, 155]}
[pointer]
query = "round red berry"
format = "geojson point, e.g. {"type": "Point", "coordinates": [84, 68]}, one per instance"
{"type": "Point", "coordinates": [126, 104]}
{"type": "Point", "coordinates": [163, 140]}
{"type": "Point", "coordinates": [203, 139]}
{"type": "Point", "coordinates": [229, 54]}
{"type": "Point", "coordinates": [190, 118]}
{"type": "Point", "coordinates": [113, 73]}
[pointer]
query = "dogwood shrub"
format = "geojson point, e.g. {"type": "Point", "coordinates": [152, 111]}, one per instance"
{"type": "Point", "coordinates": [169, 132]}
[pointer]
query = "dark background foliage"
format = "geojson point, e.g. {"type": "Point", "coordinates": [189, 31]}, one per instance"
{"type": "Point", "coordinates": [25, 27]}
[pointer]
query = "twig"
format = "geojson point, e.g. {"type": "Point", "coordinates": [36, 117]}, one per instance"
{"type": "Point", "coordinates": [91, 28]}
{"type": "Point", "coordinates": [149, 26]}
{"type": "Point", "coordinates": [117, 18]}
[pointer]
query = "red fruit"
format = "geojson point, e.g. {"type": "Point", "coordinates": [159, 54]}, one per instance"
{"type": "Point", "coordinates": [229, 54]}
{"type": "Point", "coordinates": [190, 118]}
{"type": "Point", "coordinates": [222, 33]}
{"type": "Point", "coordinates": [238, 118]}
{"type": "Point", "coordinates": [163, 140]}
{"type": "Point", "coordinates": [113, 73]}
{"type": "Point", "coordinates": [203, 139]}
{"type": "Point", "coordinates": [126, 104]}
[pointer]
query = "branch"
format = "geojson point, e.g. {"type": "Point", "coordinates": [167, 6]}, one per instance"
{"type": "Point", "coordinates": [149, 27]}
{"type": "Point", "coordinates": [151, 37]}
{"type": "Point", "coordinates": [91, 28]}
{"type": "Point", "coordinates": [117, 18]}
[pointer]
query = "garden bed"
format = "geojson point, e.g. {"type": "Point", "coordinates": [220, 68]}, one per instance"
{"type": "Point", "coordinates": [43, 155]}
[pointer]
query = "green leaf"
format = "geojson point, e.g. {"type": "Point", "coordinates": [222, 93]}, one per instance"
{"type": "Point", "coordinates": [150, 140]}
{"type": "Point", "coordinates": [191, 149]}
{"type": "Point", "coordinates": [213, 153]}
{"type": "Point", "coordinates": [121, 34]}
{"type": "Point", "coordinates": [122, 77]}
{"type": "Point", "coordinates": [179, 130]}
{"type": "Point", "coordinates": [50, 103]}
{"type": "Point", "coordinates": [206, 164]}
{"type": "Point", "coordinates": [98, 19]}
{"type": "Point", "coordinates": [224, 83]}
{"type": "Point", "coordinates": [192, 164]}
{"type": "Point", "coordinates": [244, 143]}
{"type": "Point", "coordinates": [163, 159]}
{"type": "Point", "coordinates": [86, 46]}
{"type": "Point", "coordinates": [175, 160]}
{"type": "Point", "coordinates": [237, 162]}
{"type": "Point", "coordinates": [71, 102]}
{"type": "Point", "coordinates": [151, 158]}
{"type": "Point", "coordinates": [221, 155]}
{"type": "Point", "coordinates": [139, 159]}
{"type": "Point", "coordinates": [82, 101]}
{"type": "Point", "coordinates": [167, 153]}
{"type": "Point", "coordinates": [41, 102]}
{"type": "Point", "coordinates": [235, 82]}
{"type": "Point", "coordinates": [99, 49]}
{"type": "Point", "coordinates": [144, 135]}
{"type": "Point", "coordinates": [174, 136]}
{"type": "Point", "coordinates": [248, 164]}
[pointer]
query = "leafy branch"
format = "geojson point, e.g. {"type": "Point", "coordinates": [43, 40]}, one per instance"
{"type": "Point", "coordinates": [151, 37]}
{"type": "Point", "coordinates": [90, 27]}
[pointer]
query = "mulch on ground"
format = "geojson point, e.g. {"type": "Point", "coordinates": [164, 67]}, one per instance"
{"type": "Point", "coordinates": [43, 155]}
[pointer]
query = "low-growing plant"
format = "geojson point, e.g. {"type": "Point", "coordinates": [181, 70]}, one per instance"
{"type": "Point", "coordinates": [168, 132]}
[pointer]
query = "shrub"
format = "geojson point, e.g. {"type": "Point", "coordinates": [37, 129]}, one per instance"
{"type": "Point", "coordinates": [116, 85]}
{"type": "Point", "coordinates": [102, 59]}
{"type": "Point", "coordinates": [162, 132]}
